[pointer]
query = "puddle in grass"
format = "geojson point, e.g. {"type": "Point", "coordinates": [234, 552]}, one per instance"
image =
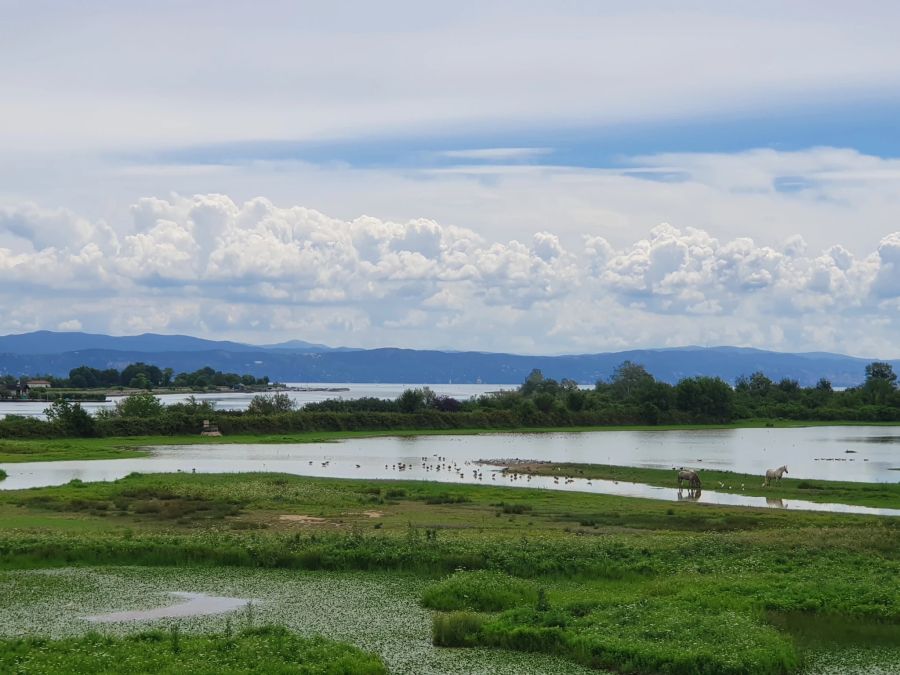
{"type": "Point", "coordinates": [198, 604]}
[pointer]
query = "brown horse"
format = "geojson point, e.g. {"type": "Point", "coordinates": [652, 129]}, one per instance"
{"type": "Point", "coordinates": [690, 476]}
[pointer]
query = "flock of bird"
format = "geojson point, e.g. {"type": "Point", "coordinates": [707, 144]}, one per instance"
{"type": "Point", "coordinates": [439, 463]}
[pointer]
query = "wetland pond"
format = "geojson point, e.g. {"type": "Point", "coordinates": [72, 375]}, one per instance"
{"type": "Point", "coordinates": [864, 454]}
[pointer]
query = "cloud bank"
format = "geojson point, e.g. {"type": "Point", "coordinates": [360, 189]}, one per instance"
{"type": "Point", "coordinates": [257, 271]}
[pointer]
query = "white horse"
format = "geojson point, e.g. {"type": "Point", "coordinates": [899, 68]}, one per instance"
{"type": "Point", "coordinates": [774, 473]}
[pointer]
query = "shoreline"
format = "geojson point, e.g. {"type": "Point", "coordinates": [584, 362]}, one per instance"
{"type": "Point", "coordinates": [851, 493]}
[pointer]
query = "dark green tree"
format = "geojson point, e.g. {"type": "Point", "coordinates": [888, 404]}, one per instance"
{"type": "Point", "coordinates": [705, 399]}
{"type": "Point", "coordinates": [881, 381]}
{"type": "Point", "coordinates": [264, 404]}
{"type": "Point", "coordinates": [144, 405]}
{"type": "Point", "coordinates": [71, 418]}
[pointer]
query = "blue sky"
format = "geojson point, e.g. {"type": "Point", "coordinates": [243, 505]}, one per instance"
{"type": "Point", "coordinates": [544, 177]}
{"type": "Point", "coordinates": [868, 126]}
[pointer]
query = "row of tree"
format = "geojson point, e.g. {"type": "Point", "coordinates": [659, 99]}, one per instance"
{"type": "Point", "coordinates": [631, 396]}
{"type": "Point", "coordinates": [141, 376]}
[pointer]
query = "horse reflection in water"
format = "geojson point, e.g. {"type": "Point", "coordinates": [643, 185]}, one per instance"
{"type": "Point", "coordinates": [692, 495]}
{"type": "Point", "coordinates": [777, 503]}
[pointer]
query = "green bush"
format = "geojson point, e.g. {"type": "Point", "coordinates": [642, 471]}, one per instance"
{"type": "Point", "coordinates": [480, 591]}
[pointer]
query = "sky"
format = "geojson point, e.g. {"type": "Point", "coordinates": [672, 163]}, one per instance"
{"type": "Point", "coordinates": [532, 177]}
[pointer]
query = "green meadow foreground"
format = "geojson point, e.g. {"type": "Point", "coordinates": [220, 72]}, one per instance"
{"type": "Point", "coordinates": [441, 578]}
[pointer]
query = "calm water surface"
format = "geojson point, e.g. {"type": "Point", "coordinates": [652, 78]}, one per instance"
{"type": "Point", "coordinates": [193, 604]}
{"type": "Point", "coordinates": [813, 452]}
{"type": "Point", "coordinates": [240, 400]}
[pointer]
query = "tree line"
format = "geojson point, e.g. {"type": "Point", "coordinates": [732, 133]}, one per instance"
{"type": "Point", "coordinates": [136, 376]}
{"type": "Point", "coordinates": [630, 396]}
{"type": "Point", "coordinates": [633, 396]}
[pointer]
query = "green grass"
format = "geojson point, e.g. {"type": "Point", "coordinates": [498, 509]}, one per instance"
{"type": "Point", "coordinates": [886, 495]}
{"type": "Point", "coordinates": [479, 591]}
{"type": "Point", "coordinates": [630, 584]}
{"type": "Point", "coordinates": [266, 649]}
{"type": "Point", "coordinates": [648, 636]}
{"type": "Point", "coordinates": [457, 629]}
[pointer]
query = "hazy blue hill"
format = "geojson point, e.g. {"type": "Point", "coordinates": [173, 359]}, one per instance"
{"type": "Point", "coordinates": [50, 342]}
{"type": "Point", "coordinates": [298, 364]}
{"type": "Point", "coordinates": [303, 346]}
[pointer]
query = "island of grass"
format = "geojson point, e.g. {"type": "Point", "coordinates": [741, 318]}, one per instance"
{"type": "Point", "coordinates": [878, 495]}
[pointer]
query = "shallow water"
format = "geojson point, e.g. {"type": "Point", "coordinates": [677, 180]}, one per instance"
{"type": "Point", "coordinates": [197, 604]}
{"type": "Point", "coordinates": [814, 452]}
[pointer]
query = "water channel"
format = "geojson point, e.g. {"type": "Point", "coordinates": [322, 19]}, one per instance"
{"type": "Point", "coordinates": [865, 454]}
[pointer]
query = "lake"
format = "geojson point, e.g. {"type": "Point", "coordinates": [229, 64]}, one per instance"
{"type": "Point", "coordinates": [866, 454]}
{"type": "Point", "coordinates": [240, 400]}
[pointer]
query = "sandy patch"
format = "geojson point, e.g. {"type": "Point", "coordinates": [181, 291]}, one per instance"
{"type": "Point", "coordinates": [373, 514]}
{"type": "Point", "coordinates": [297, 518]}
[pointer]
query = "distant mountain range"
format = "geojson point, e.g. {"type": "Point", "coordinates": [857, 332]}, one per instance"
{"type": "Point", "coordinates": [52, 353]}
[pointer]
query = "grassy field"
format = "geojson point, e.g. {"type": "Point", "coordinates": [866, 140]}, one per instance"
{"type": "Point", "coordinates": [884, 495]}
{"type": "Point", "coordinates": [594, 580]}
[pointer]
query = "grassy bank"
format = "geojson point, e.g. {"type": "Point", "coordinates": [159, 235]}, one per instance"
{"type": "Point", "coordinates": [263, 649]}
{"type": "Point", "coordinates": [879, 495]}
{"type": "Point", "coordinates": [629, 584]}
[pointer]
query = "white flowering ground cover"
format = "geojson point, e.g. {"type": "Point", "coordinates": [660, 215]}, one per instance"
{"type": "Point", "coordinates": [377, 612]}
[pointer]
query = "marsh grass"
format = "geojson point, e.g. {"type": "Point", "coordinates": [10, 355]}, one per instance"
{"type": "Point", "coordinates": [826, 491]}
{"type": "Point", "coordinates": [457, 629]}
{"type": "Point", "coordinates": [267, 649]}
{"type": "Point", "coordinates": [648, 636]}
{"type": "Point", "coordinates": [810, 630]}
{"type": "Point", "coordinates": [684, 578]}
{"type": "Point", "coordinates": [479, 591]}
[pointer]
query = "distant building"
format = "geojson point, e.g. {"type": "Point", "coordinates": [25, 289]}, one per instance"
{"type": "Point", "coordinates": [38, 384]}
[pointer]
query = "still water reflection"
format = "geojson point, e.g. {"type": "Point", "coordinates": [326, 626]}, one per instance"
{"type": "Point", "coordinates": [814, 453]}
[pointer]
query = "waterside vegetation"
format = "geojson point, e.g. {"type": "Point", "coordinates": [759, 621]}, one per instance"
{"type": "Point", "coordinates": [826, 491]}
{"type": "Point", "coordinates": [634, 585]}
{"type": "Point", "coordinates": [632, 397]}
{"type": "Point", "coordinates": [267, 649]}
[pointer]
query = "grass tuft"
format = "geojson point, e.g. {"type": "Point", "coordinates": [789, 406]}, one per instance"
{"type": "Point", "coordinates": [480, 591]}
{"type": "Point", "coordinates": [458, 629]}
